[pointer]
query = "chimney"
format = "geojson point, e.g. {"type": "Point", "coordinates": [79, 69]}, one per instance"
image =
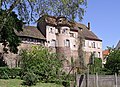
{"type": "Point", "coordinates": [88, 25]}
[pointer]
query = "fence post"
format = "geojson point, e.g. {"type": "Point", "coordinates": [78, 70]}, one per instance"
{"type": "Point", "coordinates": [115, 79]}
{"type": "Point", "coordinates": [86, 80]}
{"type": "Point", "coordinates": [94, 80]}
{"type": "Point", "coordinates": [88, 76]}
{"type": "Point", "coordinates": [81, 80]}
{"type": "Point", "coordinates": [97, 79]}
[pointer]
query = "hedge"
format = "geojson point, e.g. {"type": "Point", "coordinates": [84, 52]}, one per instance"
{"type": "Point", "coordinates": [6, 73]}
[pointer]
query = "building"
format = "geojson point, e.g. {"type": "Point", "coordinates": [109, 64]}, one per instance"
{"type": "Point", "coordinates": [60, 36]}
{"type": "Point", "coordinates": [105, 55]}
{"type": "Point", "coordinates": [92, 44]}
{"type": "Point", "coordinates": [118, 45]}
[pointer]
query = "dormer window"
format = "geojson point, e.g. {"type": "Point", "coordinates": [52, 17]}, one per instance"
{"type": "Point", "coordinates": [80, 28]}
{"type": "Point", "coordinates": [63, 31]}
{"type": "Point", "coordinates": [72, 34]}
{"type": "Point", "coordinates": [60, 21]}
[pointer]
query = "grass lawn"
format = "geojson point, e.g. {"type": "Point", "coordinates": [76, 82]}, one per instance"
{"type": "Point", "coordinates": [17, 83]}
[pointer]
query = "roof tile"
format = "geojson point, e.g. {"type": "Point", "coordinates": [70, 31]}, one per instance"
{"type": "Point", "coordinates": [30, 31]}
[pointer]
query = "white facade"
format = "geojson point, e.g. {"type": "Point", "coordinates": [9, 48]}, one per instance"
{"type": "Point", "coordinates": [94, 47]}
{"type": "Point", "coordinates": [62, 35]}
{"type": "Point", "coordinates": [51, 36]}
{"type": "Point", "coordinates": [66, 37]}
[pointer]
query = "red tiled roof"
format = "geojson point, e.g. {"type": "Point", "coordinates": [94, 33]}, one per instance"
{"type": "Point", "coordinates": [106, 52]}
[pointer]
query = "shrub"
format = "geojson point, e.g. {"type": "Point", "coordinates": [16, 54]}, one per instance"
{"type": "Point", "coordinates": [4, 73]}
{"type": "Point", "coordinates": [30, 79]}
{"type": "Point", "coordinates": [96, 66]}
{"type": "Point", "coordinates": [14, 72]}
{"type": "Point", "coordinates": [113, 61]}
{"type": "Point", "coordinates": [66, 83]}
{"type": "Point", "coordinates": [42, 63]}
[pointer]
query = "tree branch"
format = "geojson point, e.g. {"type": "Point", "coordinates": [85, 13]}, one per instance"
{"type": "Point", "coordinates": [1, 3]}
{"type": "Point", "coordinates": [8, 12]}
{"type": "Point", "coordinates": [13, 6]}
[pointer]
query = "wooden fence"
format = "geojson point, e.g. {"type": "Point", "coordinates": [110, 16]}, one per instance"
{"type": "Point", "coordinates": [98, 80]}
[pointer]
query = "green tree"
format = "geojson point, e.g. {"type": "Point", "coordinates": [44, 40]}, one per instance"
{"type": "Point", "coordinates": [42, 63]}
{"type": "Point", "coordinates": [96, 66]}
{"type": "Point", "coordinates": [113, 61]}
{"type": "Point", "coordinates": [7, 34]}
{"type": "Point", "coordinates": [30, 9]}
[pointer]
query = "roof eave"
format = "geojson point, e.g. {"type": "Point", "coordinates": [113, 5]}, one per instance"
{"type": "Point", "coordinates": [95, 39]}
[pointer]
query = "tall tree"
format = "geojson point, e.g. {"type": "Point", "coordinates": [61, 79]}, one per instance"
{"type": "Point", "coordinates": [31, 10]}
{"type": "Point", "coordinates": [113, 61]}
{"type": "Point", "coordinates": [7, 34]}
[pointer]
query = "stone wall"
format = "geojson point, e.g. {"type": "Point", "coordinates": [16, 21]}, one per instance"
{"type": "Point", "coordinates": [11, 59]}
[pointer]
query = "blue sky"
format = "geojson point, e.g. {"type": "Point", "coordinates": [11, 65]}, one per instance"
{"type": "Point", "coordinates": [104, 16]}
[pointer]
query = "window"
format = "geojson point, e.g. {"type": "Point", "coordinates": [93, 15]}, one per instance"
{"type": "Point", "coordinates": [51, 30]}
{"type": "Point", "coordinates": [89, 44]}
{"type": "Point", "coordinates": [56, 31]}
{"type": "Point", "coordinates": [28, 39]}
{"type": "Point", "coordinates": [84, 45]}
{"type": "Point", "coordinates": [80, 28]}
{"type": "Point", "coordinates": [98, 54]}
{"type": "Point", "coordinates": [98, 45]}
{"type": "Point", "coordinates": [72, 35]}
{"type": "Point", "coordinates": [53, 43]}
{"type": "Point", "coordinates": [93, 45]}
{"type": "Point", "coordinates": [60, 20]}
{"type": "Point", "coordinates": [63, 31]}
{"type": "Point", "coordinates": [24, 39]}
{"type": "Point", "coordinates": [48, 41]}
{"type": "Point", "coordinates": [32, 40]}
{"type": "Point", "coordinates": [95, 54]}
{"type": "Point", "coordinates": [74, 45]}
{"type": "Point", "coordinates": [38, 40]}
{"type": "Point", "coordinates": [67, 43]}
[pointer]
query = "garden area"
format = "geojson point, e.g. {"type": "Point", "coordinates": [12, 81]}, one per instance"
{"type": "Point", "coordinates": [38, 68]}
